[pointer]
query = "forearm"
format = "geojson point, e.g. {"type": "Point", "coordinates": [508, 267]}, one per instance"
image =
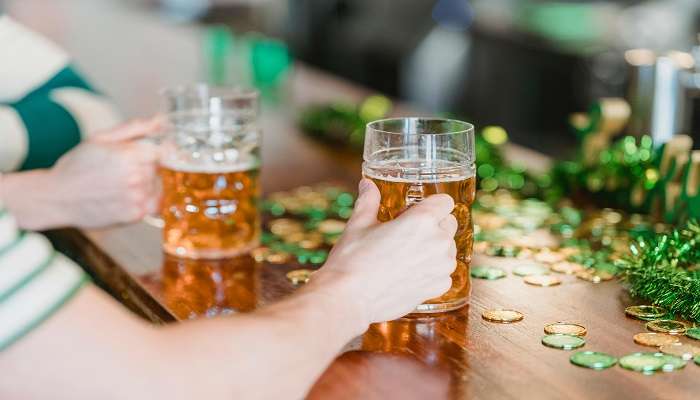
{"type": "Point", "coordinates": [95, 349]}
{"type": "Point", "coordinates": [31, 198]}
{"type": "Point", "coordinates": [277, 353]}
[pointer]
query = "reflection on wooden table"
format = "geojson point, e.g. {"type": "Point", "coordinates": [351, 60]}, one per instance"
{"type": "Point", "coordinates": [192, 288]}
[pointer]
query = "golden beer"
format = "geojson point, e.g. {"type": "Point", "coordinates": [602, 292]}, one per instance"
{"type": "Point", "coordinates": [397, 195]}
{"type": "Point", "coordinates": [410, 159]}
{"type": "Point", "coordinates": [210, 213]}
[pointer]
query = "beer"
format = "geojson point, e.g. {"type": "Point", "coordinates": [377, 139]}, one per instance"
{"type": "Point", "coordinates": [398, 193]}
{"type": "Point", "coordinates": [210, 212]}
{"type": "Point", "coordinates": [410, 159]}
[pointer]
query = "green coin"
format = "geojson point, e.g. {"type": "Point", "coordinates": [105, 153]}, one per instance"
{"type": "Point", "coordinates": [697, 360]}
{"type": "Point", "coordinates": [487, 273]}
{"type": "Point", "coordinates": [693, 333]}
{"type": "Point", "coordinates": [530, 269]}
{"type": "Point", "coordinates": [672, 363]}
{"type": "Point", "coordinates": [593, 359]}
{"type": "Point", "coordinates": [647, 363]}
{"type": "Point", "coordinates": [563, 342]}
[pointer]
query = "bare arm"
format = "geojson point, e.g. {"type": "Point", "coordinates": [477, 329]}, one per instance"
{"type": "Point", "coordinates": [94, 349]}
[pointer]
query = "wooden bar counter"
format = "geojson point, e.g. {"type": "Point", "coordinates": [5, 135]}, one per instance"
{"type": "Point", "coordinates": [456, 355]}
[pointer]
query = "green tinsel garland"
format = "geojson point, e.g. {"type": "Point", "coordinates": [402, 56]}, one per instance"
{"type": "Point", "coordinates": [665, 270]}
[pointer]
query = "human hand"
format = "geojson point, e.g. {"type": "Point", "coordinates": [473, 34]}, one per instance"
{"type": "Point", "coordinates": [386, 269]}
{"type": "Point", "coordinates": [108, 179]}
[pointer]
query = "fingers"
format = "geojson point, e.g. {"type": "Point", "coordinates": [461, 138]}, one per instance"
{"type": "Point", "coordinates": [134, 129]}
{"type": "Point", "coordinates": [437, 207]}
{"type": "Point", "coordinates": [366, 206]}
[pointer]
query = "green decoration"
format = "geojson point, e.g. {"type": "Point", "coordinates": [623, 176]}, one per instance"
{"type": "Point", "coordinates": [665, 270]}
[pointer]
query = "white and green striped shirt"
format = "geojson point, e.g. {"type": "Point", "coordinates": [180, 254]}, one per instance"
{"type": "Point", "coordinates": [35, 281]}
{"type": "Point", "coordinates": [46, 107]}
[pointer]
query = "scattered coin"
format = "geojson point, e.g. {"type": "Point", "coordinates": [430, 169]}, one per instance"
{"type": "Point", "coordinates": [672, 363]}
{"type": "Point", "coordinates": [647, 363]}
{"type": "Point", "coordinates": [260, 253]}
{"type": "Point", "coordinates": [549, 257]}
{"type": "Point", "coordinates": [682, 350]}
{"type": "Point", "coordinates": [566, 267]}
{"type": "Point", "coordinates": [565, 328]}
{"type": "Point", "coordinates": [277, 257]}
{"type": "Point", "coordinates": [299, 276]}
{"type": "Point", "coordinates": [293, 237]}
{"type": "Point", "coordinates": [667, 326]}
{"type": "Point", "coordinates": [593, 360]}
{"type": "Point", "coordinates": [645, 312]}
{"type": "Point", "coordinates": [542, 280]}
{"type": "Point", "coordinates": [693, 333]}
{"type": "Point", "coordinates": [488, 273]}
{"type": "Point", "coordinates": [502, 316]}
{"type": "Point", "coordinates": [653, 339]}
{"type": "Point", "coordinates": [285, 226]}
{"type": "Point", "coordinates": [308, 243]}
{"type": "Point", "coordinates": [563, 342]}
{"type": "Point", "coordinates": [594, 276]}
{"type": "Point", "coordinates": [331, 226]}
{"type": "Point", "coordinates": [530, 269]}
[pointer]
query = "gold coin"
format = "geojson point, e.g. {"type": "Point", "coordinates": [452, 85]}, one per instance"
{"type": "Point", "coordinates": [285, 226]}
{"type": "Point", "coordinates": [566, 267]}
{"type": "Point", "coordinates": [569, 251]}
{"type": "Point", "coordinates": [549, 257]}
{"type": "Point", "coordinates": [295, 237]}
{"type": "Point", "coordinates": [309, 244]}
{"type": "Point", "coordinates": [645, 312]}
{"type": "Point", "coordinates": [299, 276]}
{"type": "Point", "coordinates": [331, 226]}
{"type": "Point", "coordinates": [525, 253]}
{"type": "Point", "coordinates": [542, 280]}
{"type": "Point", "coordinates": [594, 276]}
{"type": "Point", "coordinates": [277, 257]}
{"type": "Point", "coordinates": [260, 253]}
{"type": "Point", "coordinates": [565, 328]}
{"type": "Point", "coordinates": [653, 339]}
{"type": "Point", "coordinates": [502, 316]}
{"type": "Point", "coordinates": [682, 350]}
{"type": "Point", "coordinates": [667, 326]}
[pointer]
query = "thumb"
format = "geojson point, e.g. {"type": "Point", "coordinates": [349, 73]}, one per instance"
{"type": "Point", "coordinates": [366, 206]}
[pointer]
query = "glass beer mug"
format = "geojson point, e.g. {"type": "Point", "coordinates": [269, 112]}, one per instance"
{"type": "Point", "coordinates": [412, 158]}
{"type": "Point", "coordinates": [209, 170]}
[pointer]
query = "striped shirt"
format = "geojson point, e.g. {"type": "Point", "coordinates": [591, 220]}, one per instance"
{"type": "Point", "coordinates": [46, 107]}
{"type": "Point", "coordinates": [35, 281]}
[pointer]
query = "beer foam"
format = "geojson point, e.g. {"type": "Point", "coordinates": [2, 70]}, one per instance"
{"type": "Point", "coordinates": [404, 171]}
{"type": "Point", "coordinates": [211, 166]}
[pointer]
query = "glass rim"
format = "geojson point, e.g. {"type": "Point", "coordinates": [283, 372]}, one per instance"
{"type": "Point", "coordinates": [214, 91]}
{"type": "Point", "coordinates": [468, 127]}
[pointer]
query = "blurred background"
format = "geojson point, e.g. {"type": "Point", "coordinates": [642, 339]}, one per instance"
{"type": "Point", "coordinates": [523, 64]}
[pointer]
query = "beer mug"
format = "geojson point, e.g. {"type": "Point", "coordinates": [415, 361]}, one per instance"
{"type": "Point", "coordinates": [412, 158]}
{"type": "Point", "coordinates": [209, 170]}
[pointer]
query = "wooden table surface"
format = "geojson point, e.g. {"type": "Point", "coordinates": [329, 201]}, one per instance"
{"type": "Point", "coordinates": [456, 355]}
{"type": "Point", "coordinates": [453, 356]}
